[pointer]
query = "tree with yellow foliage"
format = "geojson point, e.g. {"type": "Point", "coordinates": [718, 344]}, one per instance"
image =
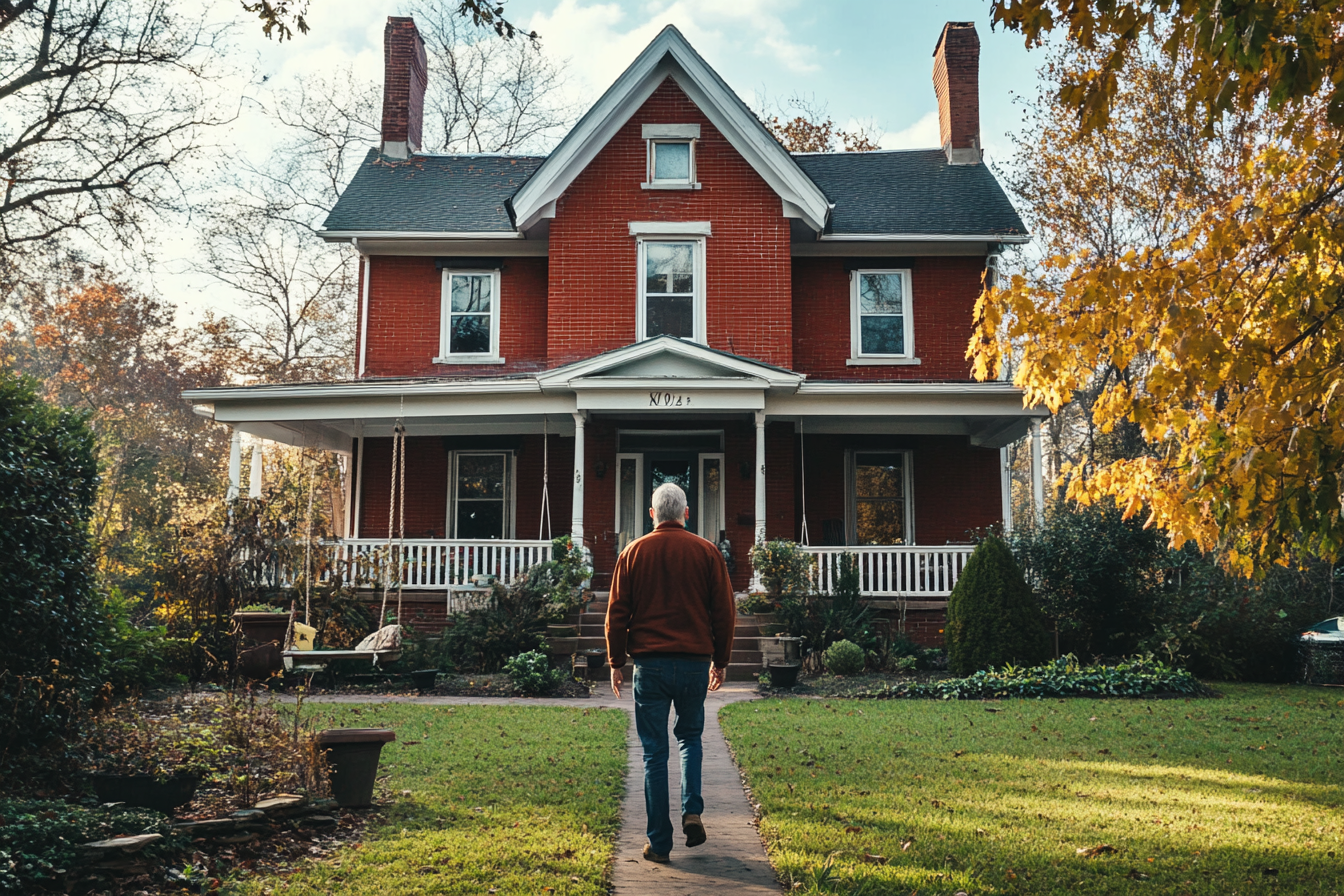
{"type": "Point", "coordinates": [1219, 337]}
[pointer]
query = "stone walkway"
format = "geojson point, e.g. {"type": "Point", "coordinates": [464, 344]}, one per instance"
{"type": "Point", "coordinates": [732, 861]}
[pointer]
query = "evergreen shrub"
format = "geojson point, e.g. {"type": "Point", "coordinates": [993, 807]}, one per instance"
{"type": "Point", "coordinates": [49, 613]}
{"type": "Point", "coordinates": [992, 617]}
{"type": "Point", "coordinates": [844, 658]}
{"type": "Point", "coordinates": [532, 675]}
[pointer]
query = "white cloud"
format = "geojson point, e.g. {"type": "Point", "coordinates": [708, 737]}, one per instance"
{"type": "Point", "coordinates": [923, 134]}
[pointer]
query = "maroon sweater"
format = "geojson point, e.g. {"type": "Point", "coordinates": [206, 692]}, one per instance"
{"type": "Point", "coordinates": [670, 594]}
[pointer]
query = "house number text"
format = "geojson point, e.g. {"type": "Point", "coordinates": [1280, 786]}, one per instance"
{"type": "Point", "coordinates": [669, 400]}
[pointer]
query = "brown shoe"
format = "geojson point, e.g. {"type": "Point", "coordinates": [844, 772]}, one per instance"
{"type": "Point", "coordinates": [652, 856]}
{"type": "Point", "coordinates": [693, 829]}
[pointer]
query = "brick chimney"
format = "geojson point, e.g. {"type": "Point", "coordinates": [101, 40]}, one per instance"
{"type": "Point", "coordinates": [956, 81]}
{"type": "Point", "coordinates": [405, 72]}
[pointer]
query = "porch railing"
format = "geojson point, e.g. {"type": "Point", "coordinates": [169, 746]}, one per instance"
{"type": "Point", "coordinates": [435, 563]}
{"type": "Point", "coordinates": [896, 570]}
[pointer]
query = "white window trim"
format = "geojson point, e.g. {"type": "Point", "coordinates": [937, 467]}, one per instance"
{"type": "Point", "coordinates": [851, 497]}
{"type": "Point", "coordinates": [445, 316]}
{"type": "Point", "coordinates": [856, 353]}
{"type": "Point", "coordinates": [639, 488]}
{"type": "Point", "coordinates": [650, 143]}
{"type": "Point", "coordinates": [723, 489]}
{"type": "Point", "coordinates": [699, 328]}
{"type": "Point", "coordinates": [510, 492]}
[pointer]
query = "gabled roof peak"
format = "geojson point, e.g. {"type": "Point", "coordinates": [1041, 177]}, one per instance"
{"type": "Point", "coordinates": [669, 54]}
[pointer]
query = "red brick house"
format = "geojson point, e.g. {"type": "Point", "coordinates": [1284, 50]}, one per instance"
{"type": "Point", "coordinates": [668, 295]}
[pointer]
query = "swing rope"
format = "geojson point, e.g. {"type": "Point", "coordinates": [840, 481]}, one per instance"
{"type": "Point", "coordinates": [396, 513]}
{"type": "Point", "coordinates": [545, 519]}
{"type": "Point", "coordinates": [308, 544]}
{"type": "Point", "coordinates": [802, 461]}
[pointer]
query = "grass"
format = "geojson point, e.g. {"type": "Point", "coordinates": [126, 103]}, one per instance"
{"type": "Point", "coordinates": [1226, 796]}
{"type": "Point", "coordinates": [502, 800]}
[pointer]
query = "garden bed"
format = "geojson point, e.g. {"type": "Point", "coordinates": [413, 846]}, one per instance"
{"type": "Point", "coordinates": [453, 685]}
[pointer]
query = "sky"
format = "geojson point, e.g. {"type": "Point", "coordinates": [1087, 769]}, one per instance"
{"type": "Point", "coordinates": [866, 61]}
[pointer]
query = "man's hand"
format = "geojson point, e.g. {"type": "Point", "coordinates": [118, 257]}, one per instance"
{"type": "Point", "coordinates": [715, 678]}
{"type": "Point", "coordinates": [616, 680]}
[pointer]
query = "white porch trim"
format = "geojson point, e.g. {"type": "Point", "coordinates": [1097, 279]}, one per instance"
{"type": "Point", "coordinates": [896, 570]}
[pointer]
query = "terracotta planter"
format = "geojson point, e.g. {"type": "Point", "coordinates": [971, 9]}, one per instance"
{"type": "Point", "coordinates": [424, 679]}
{"type": "Point", "coordinates": [262, 628]}
{"type": "Point", "coordinates": [146, 791]}
{"type": "Point", "coordinates": [562, 646]}
{"type": "Point", "coordinates": [352, 759]}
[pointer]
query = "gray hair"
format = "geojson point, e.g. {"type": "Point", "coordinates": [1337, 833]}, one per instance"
{"type": "Point", "coordinates": [669, 503]}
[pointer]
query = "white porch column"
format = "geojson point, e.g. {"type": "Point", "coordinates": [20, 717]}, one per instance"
{"type": "Point", "coordinates": [1006, 480]}
{"type": "Point", "coordinates": [576, 522]}
{"type": "Point", "coordinates": [254, 474]}
{"type": "Point", "coordinates": [1037, 473]}
{"type": "Point", "coordinates": [760, 477]}
{"type": "Point", "coordinates": [235, 466]}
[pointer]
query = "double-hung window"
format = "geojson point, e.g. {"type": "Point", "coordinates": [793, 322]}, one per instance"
{"type": "Point", "coordinates": [880, 511]}
{"type": "Point", "coordinates": [469, 322]}
{"type": "Point", "coordinates": [480, 499]}
{"type": "Point", "coordinates": [671, 287]}
{"type": "Point", "coordinates": [880, 315]}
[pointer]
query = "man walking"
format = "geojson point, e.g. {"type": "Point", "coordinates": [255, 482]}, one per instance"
{"type": "Point", "coordinates": [671, 609]}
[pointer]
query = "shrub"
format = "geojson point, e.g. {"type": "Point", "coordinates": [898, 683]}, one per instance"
{"type": "Point", "coordinates": [138, 656]}
{"type": "Point", "coordinates": [41, 840]}
{"type": "Point", "coordinates": [753, 604]}
{"type": "Point", "coordinates": [1063, 677]}
{"type": "Point", "coordinates": [48, 611]}
{"type": "Point", "coordinates": [515, 621]}
{"type": "Point", "coordinates": [844, 658]}
{"type": "Point", "coordinates": [992, 618]}
{"type": "Point", "coordinates": [784, 567]}
{"type": "Point", "coordinates": [532, 675]}
{"type": "Point", "coordinates": [822, 622]}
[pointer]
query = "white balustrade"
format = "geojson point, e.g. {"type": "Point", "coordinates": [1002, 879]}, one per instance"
{"type": "Point", "coordinates": [434, 563]}
{"type": "Point", "coordinates": [896, 570]}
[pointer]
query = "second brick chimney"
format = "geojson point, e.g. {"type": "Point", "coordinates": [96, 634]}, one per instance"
{"type": "Point", "coordinates": [405, 73]}
{"type": "Point", "coordinates": [956, 81]}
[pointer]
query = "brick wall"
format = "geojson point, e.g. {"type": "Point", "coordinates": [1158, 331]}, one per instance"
{"type": "Point", "coordinates": [943, 294]}
{"type": "Point", "coordinates": [426, 487]}
{"type": "Point", "coordinates": [593, 276]}
{"type": "Point", "coordinates": [405, 299]}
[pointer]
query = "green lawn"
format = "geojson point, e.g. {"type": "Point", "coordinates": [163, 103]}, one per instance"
{"type": "Point", "coordinates": [1225, 796]}
{"type": "Point", "coordinates": [503, 800]}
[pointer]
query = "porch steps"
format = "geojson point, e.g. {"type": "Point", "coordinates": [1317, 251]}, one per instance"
{"type": "Point", "coordinates": [745, 663]}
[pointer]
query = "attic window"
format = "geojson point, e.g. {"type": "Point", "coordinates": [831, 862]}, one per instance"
{"type": "Point", "coordinates": [671, 156]}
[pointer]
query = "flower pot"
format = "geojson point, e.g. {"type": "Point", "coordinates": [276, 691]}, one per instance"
{"type": "Point", "coordinates": [783, 676]}
{"type": "Point", "coordinates": [146, 791]}
{"type": "Point", "coordinates": [424, 679]}
{"type": "Point", "coordinates": [352, 759]}
{"type": "Point", "coordinates": [562, 646]}
{"type": "Point", "coordinates": [595, 659]}
{"type": "Point", "coordinates": [263, 628]}
{"type": "Point", "coordinates": [258, 663]}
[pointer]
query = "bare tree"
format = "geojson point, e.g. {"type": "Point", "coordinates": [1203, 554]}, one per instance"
{"type": "Point", "coordinates": [487, 94]}
{"type": "Point", "coordinates": [102, 104]}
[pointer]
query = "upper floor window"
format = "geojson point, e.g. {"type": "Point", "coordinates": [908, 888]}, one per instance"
{"type": "Point", "coordinates": [671, 289]}
{"type": "Point", "coordinates": [671, 155]}
{"type": "Point", "coordinates": [469, 322]}
{"type": "Point", "coordinates": [880, 314]}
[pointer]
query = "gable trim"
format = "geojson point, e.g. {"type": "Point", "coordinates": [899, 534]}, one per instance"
{"type": "Point", "coordinates": [733, 366]}
{"type": "Point", "coordinates": [669, 54]}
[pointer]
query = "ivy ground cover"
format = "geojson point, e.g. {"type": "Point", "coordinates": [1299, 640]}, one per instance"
{"type": "Point", "coordinates": [1237, 795]}
{"type": "Point", "coordinates": [478, 799]}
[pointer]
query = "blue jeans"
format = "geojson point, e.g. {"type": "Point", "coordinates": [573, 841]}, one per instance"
{"type": "Point", "coordinates": [660, 683]}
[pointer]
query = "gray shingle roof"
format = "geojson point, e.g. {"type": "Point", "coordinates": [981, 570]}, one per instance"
{"type": "Point", "coordinates": [910, 191]}
{"type": "Point", "coordinates": [424, 194]}
{"type": "Point", "coordinates": [900, 192]}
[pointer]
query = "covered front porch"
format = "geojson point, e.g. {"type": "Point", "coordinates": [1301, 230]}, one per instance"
{"type": "Point", "coordinates": [900, 474]}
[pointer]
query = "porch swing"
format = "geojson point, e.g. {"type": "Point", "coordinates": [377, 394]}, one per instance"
{"type": "Point", "coordinates": [384, 644]}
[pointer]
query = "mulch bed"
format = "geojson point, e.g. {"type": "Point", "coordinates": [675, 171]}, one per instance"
{"type": "Point", "coordinates": [850, 685]}
{"type": "Point", "coordinates": [495, 685]}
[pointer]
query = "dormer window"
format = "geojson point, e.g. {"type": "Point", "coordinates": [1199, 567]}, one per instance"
{"type": "Point", "coordinates": [671, 156]}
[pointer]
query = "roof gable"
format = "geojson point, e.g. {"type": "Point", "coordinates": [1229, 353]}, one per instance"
{"type": "Point", "coordinates": [666, 357]}
{"type": "Point", "coordinates": [670, 55]}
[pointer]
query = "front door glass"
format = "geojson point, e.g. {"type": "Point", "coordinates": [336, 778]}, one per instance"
{"type": "Point", "coordinates": [677, 468]}
{"type": "Point", "coordinates": [631, 513]}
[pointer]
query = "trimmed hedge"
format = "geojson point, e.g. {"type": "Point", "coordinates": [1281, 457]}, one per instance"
{"type": "Point", "coordinates": [48, 612]}
{"type": "Point", "coordinates": [1064, 677]}
{"type": "Point", "coordinates": [992, 616]}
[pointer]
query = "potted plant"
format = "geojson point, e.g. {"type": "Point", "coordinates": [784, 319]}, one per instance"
{"type": "Point", "coordinates": [352, 759]}
{"type": "Point", "coordinates": [262, 623]}
{"type": "Point", "coordinates": [153, 763]}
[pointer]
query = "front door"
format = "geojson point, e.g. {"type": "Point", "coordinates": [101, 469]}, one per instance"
{"type": "Point", "coordinates": [700, 475]}
{"type": "Point", "coordinates": [678, 467]}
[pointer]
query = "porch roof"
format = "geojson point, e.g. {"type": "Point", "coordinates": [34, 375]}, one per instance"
{"type": "Point", "coordinates": [656, 378]}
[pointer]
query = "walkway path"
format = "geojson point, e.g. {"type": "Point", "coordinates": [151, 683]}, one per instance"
{"type": "Point", "coordinates": [733, 861]}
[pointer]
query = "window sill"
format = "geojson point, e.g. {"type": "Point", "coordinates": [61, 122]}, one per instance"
{"type": "Point", "coordinates": [669, 186]}
{"type": "Point", "coordinates": [469, 360]}
{"type": "Point", "coordinates": [881, 362]}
